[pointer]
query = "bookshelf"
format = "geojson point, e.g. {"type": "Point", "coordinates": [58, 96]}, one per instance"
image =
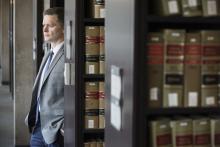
{"type": "Point", "coordinates": [77, 18]}
{"type": "Point", "coordinates": [127, 26]}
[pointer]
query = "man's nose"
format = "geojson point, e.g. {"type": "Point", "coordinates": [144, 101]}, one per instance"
{"type": "Point", "coordinates": [45, 28]}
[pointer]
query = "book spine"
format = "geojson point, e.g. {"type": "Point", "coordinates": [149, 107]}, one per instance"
{"type": "Point", "coordinates": [191, 8]}
{"type": "Point", "coordinates": [92, 105]}
{"type": "Point", "coordinates": [210, 67]}
{"type": "Point", "coordinates": [192, 70]}
{"type": "Point", "coordinates": [215, 132]}
{"type": "Point", "coordinates": [161, 133]}
{"type": "Point", "coordinates": [102, 50]}
{"type": "Point", "coordinates": [155, 51]}
{"type": "Point", "coordinates": [201, 133]}
{"type": "Point", "coordinates": [173, 68]}
{"type": "Point", "coordinates": [210, 7]}
{"type": "Point", "coordinates": [92, 40]}
{"type": "Point", "coordinates": [182, 133]}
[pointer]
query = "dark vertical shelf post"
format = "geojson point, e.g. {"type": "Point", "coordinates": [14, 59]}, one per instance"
{"type": "Point", "coordinates": [38, 35]}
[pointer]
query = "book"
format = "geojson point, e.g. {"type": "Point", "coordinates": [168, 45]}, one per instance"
{"type": "Point", "coordinates": [92, 119]}
{"type": "Point", "coordinates": [201, 132]}
{"type": "Point", "coordinates": [155, 53]}
{"type": "Point", "coordinates": [192, 70]}
{"type": "Point", "coordinates": [101, 118]}
{"type": "Point", "coordinates": [182, 132]}
{"type": "Point", "coordinates": [92, 40]}
{"type": "Point", "coordinates": [209, 70]}
{"type": "Point", "coordinates": [191, 8]}
{"type": "Point", "coordinates": [92, 65]}
{"type": "Point", "coordinates": [102, 41]}
{"type": "Point", "coordinates": [173, 67]}
{"type": "Point", "coordinates": [215, 131]}
{"type": "Point", "coordinates": [99, 9]}
{"type": "Point", "coordinates": [86, 144]}
{"type": "Point", "coordinates": [166, 7]}
{"type": "Point", "coordinates": [101, 95]}
{"type": "Point", "coordinates": [100, 143]}
{"type": "Point", "coordinates": [93, 143]}
{"type": "Point", "coordinates": [210, 7]}
{"type": "Point", "coordinates": [160, 133]}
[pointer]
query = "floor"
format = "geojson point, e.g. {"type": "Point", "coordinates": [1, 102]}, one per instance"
{"type": "Point", "coordinates": [6, 117]}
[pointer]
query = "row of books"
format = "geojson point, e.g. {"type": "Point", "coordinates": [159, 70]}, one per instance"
{"type": "Point", "coordinates": [95, 95]}
{"type": "Point", "coordinates": [94, 143]}
{"type": "Point", "coordinates": [95, 65]}
{"type": "Point", "coordinates": [183, 68]}
{"type": "Point", "coordinates": [94, 105]}
{"type": "Point", "coordinates": [95, 119]}
{"type": "Point", "coordinates": [96, 9]}
{"type": "Point", "coordinates": [187, 8]}
{"type": "Point", "coordinates": [185, 132]}
{"type": "Point", "coordinates": [94, 41]}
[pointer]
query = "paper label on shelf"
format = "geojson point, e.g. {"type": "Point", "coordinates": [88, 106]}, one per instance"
{"type": "Point", "coordinates": [68, 51]}
{"type": "Point", "coordinates": [183, 124]}
{"type": "Point", "coordinates": [173, 99]}
{"type": "Point", "coordinates": [102, 12]}
{"type": "Point", "coordinates": [68, 32]}
{"type": "Point", "coordinates": [163, 126]}
{"type": "Point", "coordinates": [116, 86]}
{"type": "Point", "coordinates": [68, 39]}
{"type": "Point", "coordinates": [192, 3]}
{"type": "Point", "coordinates": [211, 8]}
{"type": "Point", "coordinates": [203, 123]}
{"type": "Point", "coordinates": [67, 74]}
{"type": "Point", "coordinates": [154, 94]}
{"type": "Point", "coordinates": [34, 50]}
{"type": "Point", "coordinates": [90, 123]}
{"type": "Point", "coordinates": [193, 99]}
{"type": "Point", "coordinates": [173, 7]}
{"type": "Point", "coordinates": [34, 55]}
{"type": "Point", "coordinates": [210, 100]}
{"type": "Point", "coordinates": [92, 83]}
{"type": "Point", "coordinates": [91, 69]}
{"type": "Point", "coordinates": [116, 116]}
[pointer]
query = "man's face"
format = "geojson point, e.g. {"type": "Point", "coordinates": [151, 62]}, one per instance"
{"type": "Point", "coordinates": [52, 29]}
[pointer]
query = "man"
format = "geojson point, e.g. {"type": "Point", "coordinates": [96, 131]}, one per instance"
{"type": "Point", "coordinates": [46, 115]}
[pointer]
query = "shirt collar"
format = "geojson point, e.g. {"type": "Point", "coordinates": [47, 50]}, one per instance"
{"type": "Point", "coordinates": [57, 48]}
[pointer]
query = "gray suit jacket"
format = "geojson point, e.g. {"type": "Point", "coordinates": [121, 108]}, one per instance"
{"type": "Point", "coordinates": [51, 98]}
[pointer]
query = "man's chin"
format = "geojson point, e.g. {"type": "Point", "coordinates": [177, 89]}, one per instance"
{"type": "Point", "coordinates": [47, 40]}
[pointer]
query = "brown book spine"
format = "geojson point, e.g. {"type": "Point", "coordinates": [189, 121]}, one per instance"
{"type": "Point", "coordinates": [201, 132]}
{"type": "Point", "coordinates": [192, 70]}
{"type": "Point", "coordinates": [173, 68]}
{"type": "Point", "coordinates": [155, 51]}
{"type": "Point", "coordinates": [160, 133]}
{"type": "Point", "coordinates": [210, 67]}
{"type": "Point", "coordinates": [182, 133]}
{"type": "Point", "coordinates": [92, 40]}
{"type": "Point", "coordinates": [215, 131]}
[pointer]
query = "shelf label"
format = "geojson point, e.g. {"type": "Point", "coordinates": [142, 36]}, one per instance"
{"type": "Point", "coordinates": [116, 97]}
{"type": "Point", "coordinates": [173, 7]}
{"type": "Point", "coordinates": [69, 74]}
{"type": "Point", "coordinates": [68, 40]}
{"type": "Point", "coordinates": [212, 7]}
{"type": "Point", "coordinates": [173, 99]}
{"type": "Point", "coordinates": [193, 99]}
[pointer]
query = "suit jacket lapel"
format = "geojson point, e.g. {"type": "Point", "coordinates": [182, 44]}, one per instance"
{"type": "Point", "coordinates": [54, 62]}
{"type": "Point", "coordinates": [37, 80]}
